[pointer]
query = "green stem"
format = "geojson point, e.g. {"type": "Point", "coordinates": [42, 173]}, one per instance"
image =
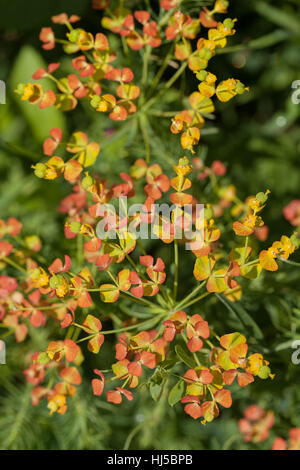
{"type": "Point", "coordinates": [146, 303]}
{"type": "Point", "coordinates": [112, 277]}
{"type": "Point", "coordinates": [70, 332]}
{"type": "Point", "coordinates": [141, 247]}
{"type": "Point", "coordinates": [143, 126]}
{"type": "Point", "coordinates": [130, 260]}
{"type": "Point", "coordinates": [131, 435]}
{"type": "Point", "coordinates": [176, 261]}
{"type": "Point", "coordinates": [119, 330]}
{"type": "Point", "coordinates": [79, 249]}
{"type": "Point", "coordinates": [8, 333]}
{"type": "Point", "coordinates": [145, 71]}
{"type": "Point", "coordinates": [160, 72]}
{"type": "Point", "coordinates": [40, 258]}
{"type": "Point", "coordinates": [13, 148]}
{"type": "Point", "coordinates": [165, 18]}
{"type": "Point", "coordinates": [48, 307]}
{"type": "Point", "coordinates": [166, 114]}
{"type": "Point", "coordinates": [62, 41]}
{"type": "Point", "coordinates": [202, 296]}
{"type": "Point", "coordinates": [168, 299]}
{"type": "Point", "coordinates": [194, 354]}
{"type": "Point", "coordinates": [252, 262]}
{"type": "Point", "coordinates": [125, 48]}
{"type": "Point", "coordinates": [208, 342]}
{"type": "Point", "coordinates": [245, 251]}
{"type": "Point", "coordinates": [215, 334]}
{"type": "Point", "coordinates": [190, 296]}
{"type": "Point", "coordinates": [293, 263]}
{"type": "Point", "coordinates": [15, 265]}
{"type": "Point", "coordinates": [169, 83]}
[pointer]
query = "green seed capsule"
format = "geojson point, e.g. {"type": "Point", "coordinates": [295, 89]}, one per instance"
{"type": "Point", "coordinates": [54, 282]}
{"type": "Point", "coordinates": [240, 88]}
{"type": "Point", "coordinates": [74, 35]}
{"type": "Point", "coordinates": [40, 170]}
{"type": "Point", "coordinates": [75, 227]}
{"type": "Point", "coordinates": [202, 75]}
{"type": "Point", "coordinates": [95, 101]}
{"type": "Point", "coordinates": [208, 213]}
{"type": "Point", "coordinates": [87, 181]}
{"type": "Point", "coordinates": [228, 23]}
{"type": "Point", "coordinates": [261, 197]}
{"type": "Point", "coordinates": [264, 372]}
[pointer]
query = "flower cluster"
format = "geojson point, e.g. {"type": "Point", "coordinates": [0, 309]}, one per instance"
{"type": "Point", "coordinates": [94, 73]}
{"type": "Point", "coordinates": [55, 365]}
{"type": "Point", "coordinates": [292, 212]}
{"type": "Point", "coordinates": [292, 444]}
{"type": "Point", "coordinates": [256, 424]}
{"type": "Point", "coordinates": [228, 361]}
{"type": "Point", "coordinates": [158, 335]}
{"type": "Point", "coordinates": [190, 121]}
{"type": "Point", "coordinates": [168, 333]}
{"type": "Point", "coordinates": [84, 154]}
{"type": "Point", "coordinates": [91, 68]}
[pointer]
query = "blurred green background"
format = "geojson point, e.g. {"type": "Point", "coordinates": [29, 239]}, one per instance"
{"type": "Point", "coordinates": [258, 138]}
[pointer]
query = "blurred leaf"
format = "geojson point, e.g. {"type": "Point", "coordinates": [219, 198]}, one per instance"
{"type": "Point", "coordinates": [241, 313]}
{"type": "Point", "coordinates": [260, 43]}
{"type": "Point", "coordinates": [279, 16]}
{"type": "Point", "coordinates": [176, 393]}
{"type": "Point", "coordinates": [156, 385]}
{"type": "Point", "coordinates": [24, 15]}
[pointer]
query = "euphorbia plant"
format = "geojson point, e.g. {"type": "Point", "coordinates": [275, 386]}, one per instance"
{"type": "Point", "coordinates": [160, 331]}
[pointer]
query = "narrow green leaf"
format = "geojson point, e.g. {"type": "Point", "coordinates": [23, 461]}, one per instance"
{"type": "Point", "coordinates": [286, 344]}
{"type": "Point", "coordinates": [268, 40]}
{"type": "Point", "coordinates": [184, 356]}
{"type": "Point", "coordinates": [176, 393]}
{"type": "Point", "coordinates": [279, 16]}
{"type": "Point", "coordinates": [156, 385]}
{"type": "Point", "coordinates": [242, 315]}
